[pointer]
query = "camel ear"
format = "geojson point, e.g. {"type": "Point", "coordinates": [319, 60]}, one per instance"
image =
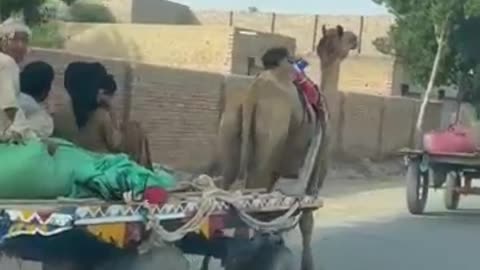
{"type": "Point", "coordinates": [340, 30]}
{"type": "Point", "coordinates": [324, 30]}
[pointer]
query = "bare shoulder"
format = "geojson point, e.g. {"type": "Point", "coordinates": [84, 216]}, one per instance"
{"type": "Point", "coordinates": [101, 114]}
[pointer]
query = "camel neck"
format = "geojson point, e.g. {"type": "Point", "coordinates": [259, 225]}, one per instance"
{"type": "Point", "coordinates": [330, 76]}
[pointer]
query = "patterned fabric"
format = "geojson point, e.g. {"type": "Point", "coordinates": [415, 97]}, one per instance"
{"type": "Point", "coordinates": [122, 225]}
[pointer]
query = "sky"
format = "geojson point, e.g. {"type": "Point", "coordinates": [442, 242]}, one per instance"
{"type": "Point", "coordinates": [334, 7]}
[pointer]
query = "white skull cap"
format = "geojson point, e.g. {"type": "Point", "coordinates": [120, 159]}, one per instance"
{"type": "Point", "coordinates": [12, 25]}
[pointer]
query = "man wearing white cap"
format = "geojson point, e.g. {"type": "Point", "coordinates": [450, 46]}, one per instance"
{"type": "Point", "coordinates": [14, 39]}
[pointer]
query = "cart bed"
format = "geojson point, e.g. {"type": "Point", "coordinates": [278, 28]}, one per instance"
{"type": "Point", "coordinates": [461, 159]}
{"type": "Point", "coordinates": [43, 217]}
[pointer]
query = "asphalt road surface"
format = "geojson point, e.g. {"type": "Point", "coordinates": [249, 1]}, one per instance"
{"type": "Point", "coordinates": [369, 228]}
{"type": "Point", "coordinates": [365, 226]}
{"type": "Point", "coordinates": [372, 230]}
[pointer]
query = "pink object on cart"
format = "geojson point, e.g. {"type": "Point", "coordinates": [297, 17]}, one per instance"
{"type": "Point", "coordinates": [455, 139]}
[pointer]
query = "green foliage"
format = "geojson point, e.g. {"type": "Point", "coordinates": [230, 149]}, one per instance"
{"type": "Point", "coordinates": [472, 8]}
{"type": "Point", "coordinates": [42, 16]}
{"type": "Point", "coordinates": [414, 37]}
{"type": "Point", "coordinates": [32, 9]}
{"type": "Point", "coordinates": [47, 35]}
{"type": "Point", "coordinates": [55, 10]}
{"type": "Point", "coordinates": [87, 11]}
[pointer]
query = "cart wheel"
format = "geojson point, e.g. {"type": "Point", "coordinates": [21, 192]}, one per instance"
{"type": "Point", "coordinates": [274, 257]}
{"type": "Point", "coordinates": [417, 188]}
{"type": "Point", "coordinates": [451, 196]}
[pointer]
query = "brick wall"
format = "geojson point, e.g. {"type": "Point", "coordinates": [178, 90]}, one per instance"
{"type": "Point", "coordinates": [179, 108]}
{"type": "Point", "coordinates": [360, 73]}
{"type": "Point", "coordinates": [375, 126]}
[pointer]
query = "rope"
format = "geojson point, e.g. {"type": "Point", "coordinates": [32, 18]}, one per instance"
{"type": "Point", "coordinates": [210, 195]}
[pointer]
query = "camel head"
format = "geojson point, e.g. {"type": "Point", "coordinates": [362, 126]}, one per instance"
{"type": "Point", "coordinates": [335, 44]}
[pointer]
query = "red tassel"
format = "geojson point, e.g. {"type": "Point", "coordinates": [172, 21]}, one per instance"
{"type": "Point", "coordinates": [155, 195]}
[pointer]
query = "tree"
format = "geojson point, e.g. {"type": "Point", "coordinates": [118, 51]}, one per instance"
{"type": "Point", "coordinates": [421, 39]}
{"type": "Point", "coordinates": [91, 12]}
{"type": "Point", "coordinates": [30, 9]}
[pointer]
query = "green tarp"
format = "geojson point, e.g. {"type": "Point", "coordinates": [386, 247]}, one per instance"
{"type": "Point", "coordinates": [29, 172]}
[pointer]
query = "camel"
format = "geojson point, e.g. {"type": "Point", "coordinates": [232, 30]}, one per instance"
{"type": "Point", "coordinates": [258, 146]}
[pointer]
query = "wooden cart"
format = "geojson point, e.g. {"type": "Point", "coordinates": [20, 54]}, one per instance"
{"type": "Point", "coordinates": [90, 234]}
{"type": "Point", "coordinates": [452, 171]}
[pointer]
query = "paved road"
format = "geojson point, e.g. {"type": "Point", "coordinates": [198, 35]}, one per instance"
{"type": "Point", "coordinates": [366, 227]}
{"type": "Point", "coordinates": [372, 230]}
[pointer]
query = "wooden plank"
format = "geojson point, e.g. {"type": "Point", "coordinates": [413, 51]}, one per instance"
{"type": "Point", "coordinates": [454, 160]}
{"type": "Point", "coordinates": [440, 154]}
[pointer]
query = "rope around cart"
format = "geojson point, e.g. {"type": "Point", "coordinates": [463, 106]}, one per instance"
{"type": "Point", "coordinates": [210, 195]}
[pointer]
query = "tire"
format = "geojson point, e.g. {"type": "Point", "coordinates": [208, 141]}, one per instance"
{"type": "Point", "coordinates": [417, 188]}
{"type": "Point", "coordinates": [272, 257]}
{"type": "Point", "coordinates": [451, 196]}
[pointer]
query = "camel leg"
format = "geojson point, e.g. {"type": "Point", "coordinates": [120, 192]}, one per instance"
{"type": "Point", "coordinates": [135, 144]}
{"type": "Point", "coordinates": [270, 138]}
{"type": "Point", "coordinates": [262, 172]}
{"type": "Point", "coordinates": [306, 228]}
{"type": "Point", "coordinates": [229, 147]}
{"type": "Point", "coordinates": [229, 168]}
{"type": "Point", "coordinates": [205, 262]}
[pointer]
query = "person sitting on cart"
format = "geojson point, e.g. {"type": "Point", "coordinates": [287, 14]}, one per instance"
{"type": "Point", "coordinates": [14, 39]}
{"type": "Point", "coordinates": [91, 90]}
{"type": "Point", "coordinates": [35, 85]}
